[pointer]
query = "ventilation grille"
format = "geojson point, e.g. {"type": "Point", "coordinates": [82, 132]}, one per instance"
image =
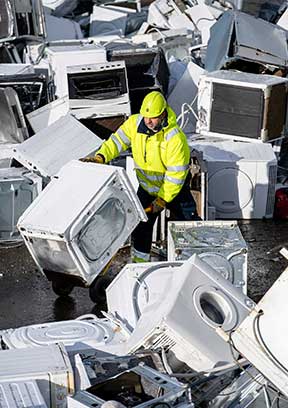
{"type": "Point", "coordinates": [163, 340]}
{"type": "Point", "coordinates": [271, 191]}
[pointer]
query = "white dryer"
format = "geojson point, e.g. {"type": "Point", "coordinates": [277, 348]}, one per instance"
{"type": "Point", "coordinates": [197, 302]}
{"type": "Point", "coordinates": [241, 177]}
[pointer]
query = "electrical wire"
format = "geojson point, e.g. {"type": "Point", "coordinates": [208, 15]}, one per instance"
{"type": "Point", "coordinates": [263, 345]}
{"type": "Point", "coordinates": [9, 244]}
{"type": "Point", "coordinates": [141, 279]}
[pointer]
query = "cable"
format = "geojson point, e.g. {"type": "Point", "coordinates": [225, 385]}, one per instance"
{"type": "Point", "coordinates": [13, 244]}
{"type": "Point", "coordinates": [141, 279]}
{"type": "Point", "coordinates": [262, 344]}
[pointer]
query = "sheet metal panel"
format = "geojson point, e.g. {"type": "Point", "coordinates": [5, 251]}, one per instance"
{"type": "Point", "coordinates": [52, 147]}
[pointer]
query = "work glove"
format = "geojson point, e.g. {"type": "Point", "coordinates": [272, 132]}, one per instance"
{"type": "Point", "coordinates": [94, 159]}
{"type": "Point", "coordinates": [156, 206]}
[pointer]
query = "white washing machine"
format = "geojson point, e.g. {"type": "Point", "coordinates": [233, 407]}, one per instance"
{"type": "Point", "coordinates": [86, 332]}
{"type": "Point", "coordinates": [241, 177]}
{"type": "Point", "coordinates": [219, 243]}
{"type": "Point", "coordinates": [197, 302]}
{"type": "Point", "coordinates": [142, 283]}
{"type": "Point", "coordinates": [79, 221]}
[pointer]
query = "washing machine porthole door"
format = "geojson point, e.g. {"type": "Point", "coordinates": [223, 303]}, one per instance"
{"type": "Point", "coordinates": [215, 307]}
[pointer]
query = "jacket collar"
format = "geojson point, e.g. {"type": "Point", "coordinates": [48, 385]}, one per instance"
{"type": "Point", "coordinates": [142, 128]}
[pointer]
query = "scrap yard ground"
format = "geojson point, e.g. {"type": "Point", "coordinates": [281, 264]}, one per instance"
{"type": "Point", "coordinates": [26, 297]}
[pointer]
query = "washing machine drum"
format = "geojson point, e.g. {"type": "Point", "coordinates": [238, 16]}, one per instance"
{"type": "Point", "coordinates": [74, 334]}
{"type": "Point", "coordinates": [220, 263]}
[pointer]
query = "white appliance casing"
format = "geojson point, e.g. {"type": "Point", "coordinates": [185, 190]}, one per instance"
{"type": "Point", "coordinates": [45, 116]}
{"type": "Point", "coordinates": [18, 189]}
{"type": "Point", "coordinates": [208, 301]}
{"type": "Point", "coordinates": [60, 57]}
{"type": "Point", "coordinates": [84, 333]}
{"type": "Point", "coordinates": [142, 283]}
{"type": "Point", "coordinates": [65, 238]}
{"type": "Point", "coordinates": [101, 106]}
{"type": "Point", "coordinates": [21, 394]}
{"type": "Point", "coordinates": [241, 177]}
{"type": "Point", "coordinates": [52, 147]}
{"type": "Point", "coordinates": [264, 84]}
{"type": "Point", "coordinates": [219, 243]}
{"type": "Point", "coordinates": [260, 337]}
{"type": "Point", "coordinates": [49, 366]}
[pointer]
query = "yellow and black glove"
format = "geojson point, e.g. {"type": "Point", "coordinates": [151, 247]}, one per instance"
{"type": "Point", "coordinates": [98, 158]}
{"type": "Point", "coordinates": [156, 206]}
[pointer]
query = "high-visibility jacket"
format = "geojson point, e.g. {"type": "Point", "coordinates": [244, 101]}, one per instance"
{"type": "Point", "coordinates": [161, 159]}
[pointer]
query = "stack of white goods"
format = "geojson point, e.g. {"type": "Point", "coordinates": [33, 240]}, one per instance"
{"type": "Point", "coordinates": [198, 302]}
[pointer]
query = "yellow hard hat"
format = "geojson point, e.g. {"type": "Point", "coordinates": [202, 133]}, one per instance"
{"type": "Point", "coordinates": [153, 105]}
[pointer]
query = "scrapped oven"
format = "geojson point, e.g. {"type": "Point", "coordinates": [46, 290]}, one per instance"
{"type": "Point", "coordinates": [98, 90]}
{"type": "Point", "coordinates": [78, 223]}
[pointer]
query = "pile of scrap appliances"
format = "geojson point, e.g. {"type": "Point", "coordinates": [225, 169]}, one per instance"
{"type": "Point", "coordinates": [177, 333]}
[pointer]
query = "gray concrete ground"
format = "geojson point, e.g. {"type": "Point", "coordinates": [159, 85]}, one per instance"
{"type": "Point", "coordinates": [26, 296]}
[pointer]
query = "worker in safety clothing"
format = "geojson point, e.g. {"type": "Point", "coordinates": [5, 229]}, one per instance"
{"type": "Point", "coordinates": [161, 155]}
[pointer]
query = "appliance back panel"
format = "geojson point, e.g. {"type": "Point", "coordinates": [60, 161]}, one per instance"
{"type": "Point", "coordinates": [237, 110]}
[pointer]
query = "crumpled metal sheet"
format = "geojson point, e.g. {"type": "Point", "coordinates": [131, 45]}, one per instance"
{"type": "Point", "coordinates": [239, 36]}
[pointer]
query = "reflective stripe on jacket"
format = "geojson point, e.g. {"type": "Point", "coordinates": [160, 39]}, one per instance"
{"type": "Point", "coordinates": [161, 159]}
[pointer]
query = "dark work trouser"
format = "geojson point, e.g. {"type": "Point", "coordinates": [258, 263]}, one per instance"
{"type": "Point", "coordinates": [182, 207]}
